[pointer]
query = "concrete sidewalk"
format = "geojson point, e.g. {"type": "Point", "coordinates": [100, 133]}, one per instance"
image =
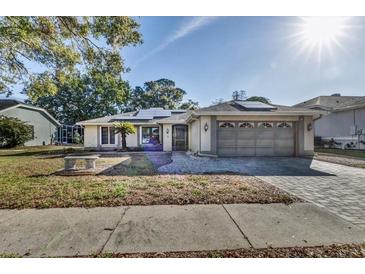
{"type": "Point", "coordinates": [78, 231]}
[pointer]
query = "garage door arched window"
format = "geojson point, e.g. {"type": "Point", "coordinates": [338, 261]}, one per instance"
{"type": "Point", "coordinates": [265, 125]}
{"type": "Point", "coordinates": [226, 125]}
{"type": "Point", "coordinates": [285, 125]}
{"type": "Point", "coordinates": [246, 125]}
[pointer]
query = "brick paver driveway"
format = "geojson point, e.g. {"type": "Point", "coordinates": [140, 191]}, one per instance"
{"type": "Point", "coordinates": [338, 188]}
{"type": "Point", "coordinates": [341, 189]}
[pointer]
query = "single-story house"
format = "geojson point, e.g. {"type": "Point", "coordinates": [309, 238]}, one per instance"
{"type": "Point", "coordinates": [233, 128]}
{"type": "Point", "coordinates": [343, 119]}
{"type": "Point", "coordinates": [44, 125]}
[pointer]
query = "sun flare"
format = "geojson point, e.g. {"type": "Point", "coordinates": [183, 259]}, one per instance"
{"type": "Point", "coordinates": [323, 30]}
{"type": "Point", "coordinates": [321, 33]}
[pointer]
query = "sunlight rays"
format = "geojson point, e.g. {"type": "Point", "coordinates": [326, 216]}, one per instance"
{"type": "Point", "coordinates": [316, 36]}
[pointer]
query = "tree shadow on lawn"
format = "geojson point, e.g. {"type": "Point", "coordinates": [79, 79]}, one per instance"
{"type": "Point", "coordinates": [139, 164]}
{"type": "Point", "coordinates": [42, 152]}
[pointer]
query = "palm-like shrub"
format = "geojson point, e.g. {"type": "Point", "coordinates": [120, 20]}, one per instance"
{"type": "Point", "coordinates": [124, 128]}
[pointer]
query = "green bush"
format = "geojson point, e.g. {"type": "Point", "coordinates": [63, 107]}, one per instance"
{"type": "Point", "coordinates": [14, 132]}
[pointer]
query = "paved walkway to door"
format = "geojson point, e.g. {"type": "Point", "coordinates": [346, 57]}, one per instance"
{"type": "Point", "coordinates": [338, 188]}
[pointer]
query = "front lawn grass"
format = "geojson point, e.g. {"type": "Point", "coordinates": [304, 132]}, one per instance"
{"type": "Point", "coordinates": [343, 152]}
{"type": "Point", "coordinates": [40, 150]}
{"type": "Point", "coordinates": [28, 182]}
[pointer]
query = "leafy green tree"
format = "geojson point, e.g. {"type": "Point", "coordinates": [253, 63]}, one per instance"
{"type": "Point", "coordinates": [218, 101]}
{"type": "Point", "coordinates": [161, 93]}
{"type": "Point", "coordinates": [62, 44]}
{"type": "Point", "coordinates": [97, 93]}
{"type": "Point", "coordinates": [239, 95]}
{"type": "Point", "coordinates": [259, 99]}
{"type": "Point", "coordinates": [190, 105]}
{"type": "Point", "coordinates": [124, 128]}
{"type": "Point", "coordinates": [14, 132]}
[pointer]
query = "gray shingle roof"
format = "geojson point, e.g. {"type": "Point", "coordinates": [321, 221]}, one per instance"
{"type": "Point", "coordinates": [331, 102]}
{"type": "Point", "coordinates": [180, 117]}
{"type": "Point", "coordinates": [106, 119]}
{"type": "Point", "coordinates": [7, 103]}
{"type": "Point", "coordinates": [147, 116]}
{"type": "Point", "coordinates": [232, 106]}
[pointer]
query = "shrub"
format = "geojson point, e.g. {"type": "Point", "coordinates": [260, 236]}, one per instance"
{"type": "Point", "coordinates": [124, 128]}
{"type": "Point", "coordinates": [77, 138]}
{"type": "Point", "coordinates": [14, 132]}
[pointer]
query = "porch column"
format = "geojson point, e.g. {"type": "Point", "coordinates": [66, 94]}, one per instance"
{"type": "Point", "coordinates": [118, 140]}
{"type": "Point", "coordinates": [213, 134]}
{"type": "Point", "coordinates": [98, 143]}
{"type": "Point", "coordinates": [167, 137]}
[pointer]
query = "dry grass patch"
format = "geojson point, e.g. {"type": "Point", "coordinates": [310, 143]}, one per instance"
{"type": "Point", "coordinates": [28, 182]}
{"type": "Point", "coordinates": [331, 251]}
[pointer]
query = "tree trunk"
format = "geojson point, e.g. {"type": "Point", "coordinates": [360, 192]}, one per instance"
{"type": "Point", "coordinates": [124, 142]}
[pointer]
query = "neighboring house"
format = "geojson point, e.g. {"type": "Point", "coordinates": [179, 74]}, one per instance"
{"type": "Point", "coordinates": [43, 124]}
{"type": "Point", "coordinates": [234, 128]}
{"type": "Point", "coordinates": [343, 119]}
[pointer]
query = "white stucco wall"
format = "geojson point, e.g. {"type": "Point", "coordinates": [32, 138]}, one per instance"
{"type": "Point", "coordinates": [132, 139]}
{"type": "Point", "coordinates": [308, 134]}
{"type": "Point", "coordinates": [343, 120]}
{"type": "Point", "coordinates": [205, 136]}
{"type": "Point", "coordinates": [90, 136]}
{"type": "Point", "coordinates": [194, 142]}
{"type": "Point", "coordinates": [167, 137]}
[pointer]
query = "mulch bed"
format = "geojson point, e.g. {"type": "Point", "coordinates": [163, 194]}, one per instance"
{"type": "Point", "coordinates": [332, 251]}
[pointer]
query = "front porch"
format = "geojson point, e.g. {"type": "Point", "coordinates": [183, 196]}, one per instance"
{"type": "Point", "coordinates": [148, 137]}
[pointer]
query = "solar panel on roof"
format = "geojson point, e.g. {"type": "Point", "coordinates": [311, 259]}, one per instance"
{"type": "Point", "coordinates": [134, 118]}
{"type": "Point", "coordinates": [155, 112]}
{"type": "Point", "coordinates": [251, 105]}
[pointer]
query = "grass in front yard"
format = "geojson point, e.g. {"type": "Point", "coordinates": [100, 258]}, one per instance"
{"type": "Point", "coordinates": [28, 182]}
{"type": "Point", "coordinates": [343, 152]}
{"type": "Point", "coordinates": [40, 150]}
{"type": "Point", "coordinates": [353, 158]}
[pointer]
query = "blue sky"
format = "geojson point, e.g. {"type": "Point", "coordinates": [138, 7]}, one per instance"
{"type": "Point", "coordinates": [210, 57]}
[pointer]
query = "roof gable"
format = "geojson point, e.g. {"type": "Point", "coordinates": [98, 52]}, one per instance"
{"type": "Point", "coordinates": [11, 104]}
{"type": "Point", "coordinates": [7, 103]}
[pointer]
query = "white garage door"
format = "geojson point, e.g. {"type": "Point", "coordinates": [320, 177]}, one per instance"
{"type": "Point", "coordinates": [255, 138]}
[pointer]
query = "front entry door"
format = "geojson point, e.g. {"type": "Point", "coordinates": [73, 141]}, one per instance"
{"type": "Point", "coordinates": [179, 138]}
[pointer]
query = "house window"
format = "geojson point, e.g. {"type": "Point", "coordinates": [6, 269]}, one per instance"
{"type": "Point", "coordinates": [265, 125]}
{"type": "Point", "coordinates": [150, 135]}
{"type": "Point", "coordinates": [226, 125]}
{"type": "Point", "coordinates": [246, 125]}
{"type": "Point", "coordinates": [104, 135]}
{"type": "Point", "coordinates": [285, 125]}
{"type": "Point", "coordinates": [107, 136]}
